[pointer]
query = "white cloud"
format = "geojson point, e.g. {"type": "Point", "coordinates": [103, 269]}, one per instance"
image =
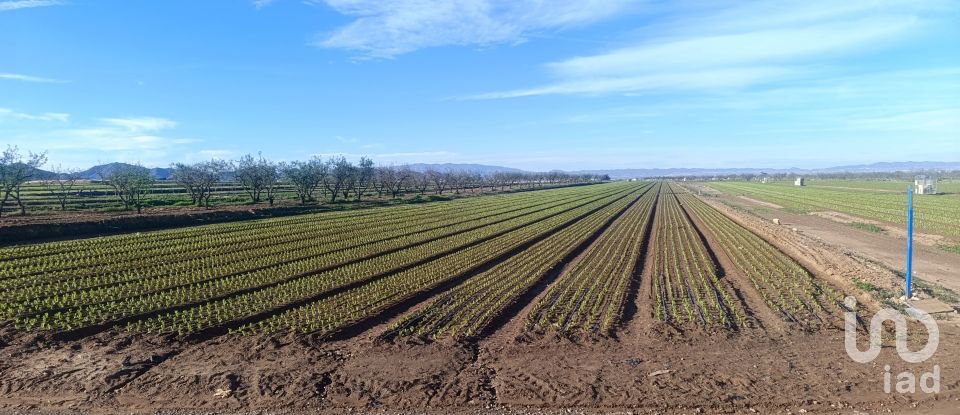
{"type": "Point", "coordinates": [140, 124]}
{"type": "Point", "coordinates": [736, 47]}
{"type": "Point", "coordinates": [26, 4]}
{"type": "Point", "coordinates": [136, 139]}
{"type": "Point", "coordinates": [259, 4]}
{"type": "Point", "coordinates": [719, 78]}
{"type": "Point", "coordinates": [29, 78]}
{"type": "Point", "coordinates": [384, 29]}
{"type": "Point", "coordinates": [941, 121]}
{"type": "Point", "coordinates": [47, 116]}
{"type": "Point", "coordinates": [762, 47]}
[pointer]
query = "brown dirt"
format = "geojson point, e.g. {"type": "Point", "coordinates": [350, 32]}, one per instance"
{"type": "Point", "coordinates": [890, 229]}
{"type": "Point", "coordinates": [711, 371]}
{"type": "Point", "coordinates": [762, 203]}
{"type": "Point", "coordinates": [649, 368]}
{"type": "Point", "coordinates": [870, 249]}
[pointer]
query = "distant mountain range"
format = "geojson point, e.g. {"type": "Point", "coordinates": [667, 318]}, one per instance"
{"type": "Point", "coordinates": [882, 167]}
{"type": "Point", "coordinates": [473, 168]}
{"type": "Point", "coordinates": [96, 172]}
{"type": "Point", "coordinates": [161, 173]}
{"type": "Point", "coordinates": [103, 170]}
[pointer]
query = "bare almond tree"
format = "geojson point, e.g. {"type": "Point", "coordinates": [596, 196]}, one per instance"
{"type": "Point", "coordinates": [382, 178]}
{"type": "Point", "coordinates": [61, 185]}
{"type": "Point", "coordinates": [440, 181]}
{"type": "Point", "coordinates": [306, 177]}
{"type": "Point", "coordinates": [200, 179]}
{"type": "Point", "coordinates": [364, 173]}
{"type": "Point", "coordinates": [130, 184]}
{"type": "Point", "coordinates": [15, 170]}
{"type": "Point", "coordinates": [400, 177]}
{"type": "Point", "coordinates": [341, 177]}
{"type": "Point", "coordinates": [422, 182]}
{"type": "Point", "coordinates": [257, 176]}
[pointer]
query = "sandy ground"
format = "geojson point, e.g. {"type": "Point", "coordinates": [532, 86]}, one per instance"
{"type": "Point", "coordinates": [648, 367]}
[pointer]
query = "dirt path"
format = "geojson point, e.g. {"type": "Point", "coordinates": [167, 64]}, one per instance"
{"type": "Point", "coordinates": [929, 263]}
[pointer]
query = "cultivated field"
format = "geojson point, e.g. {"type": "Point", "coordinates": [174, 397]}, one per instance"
{"type": "Point", "coordinates": [637, 291]}
{"type": "Point", "coordinates": [872, 200]}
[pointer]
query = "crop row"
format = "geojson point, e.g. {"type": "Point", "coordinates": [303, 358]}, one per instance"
{"type": "Point", "coordinates": [192, 242]}
{"type": "Point", "coordinates": [785, 286]}
{"type": "Point", "coordinates": [686, 284]}
{"type": "Point", "coordinates": [338, 311]}
{"type": "Point", "coordinates": [306, 288]}
{"type": "Point", "coordinates": [469, 308]}
{"type": "Point", "coordinates": [330, 250]}
{"type": "Point", "coordinates": [344, 244]}
{"type": "Point", "coordinates": [590, 296]}
{"type": "Point", "coordinates": [301, 276]}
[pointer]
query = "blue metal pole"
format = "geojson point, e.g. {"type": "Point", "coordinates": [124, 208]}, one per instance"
{"type": "Point", "coordinates": [909, 241]}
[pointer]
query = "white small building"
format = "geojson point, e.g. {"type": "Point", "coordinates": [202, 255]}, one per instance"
{"type": "Point", "coordinates": [925, 185]}
{"type": "Point", "coordinates": [798, 181]}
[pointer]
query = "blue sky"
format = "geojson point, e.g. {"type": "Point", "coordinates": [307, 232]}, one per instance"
{"type": "Point", "coordinates": [569, 84]}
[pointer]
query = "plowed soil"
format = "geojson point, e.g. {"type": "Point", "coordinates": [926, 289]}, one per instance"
{"type": "Point", "coordinates": [649, 367]}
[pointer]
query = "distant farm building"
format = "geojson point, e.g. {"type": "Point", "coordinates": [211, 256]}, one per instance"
{"type": "Point", "coordinates": [798, 181]}
{"type": "Point", "coordinates": [925, 185]}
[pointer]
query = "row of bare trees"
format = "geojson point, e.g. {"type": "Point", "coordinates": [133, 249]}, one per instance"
{"type": "Point", "coordinates": [334, 179]}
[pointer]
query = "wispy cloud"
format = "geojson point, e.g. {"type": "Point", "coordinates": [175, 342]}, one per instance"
{"type": "Point", "coordinates": [134, 139]}
{"type": "Point", "coordinates": [140, 124]}
{"type": "Point", "coordinates": [26, 4]}
{"type": "Point", "coordinates": [259, 4]}
{"type": "Point", "coordinates": [122, 134]}
{"type": "Point", "coordinates": [29, 78]}
{"type": "Point", "coordinates": [383, 29]}
{"type": "Point", "coordinates": [941, 121]}
{"type": "Point", "coordinates": [737, 47]}
{"type": "Point", "coordinates": [47, 116]}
